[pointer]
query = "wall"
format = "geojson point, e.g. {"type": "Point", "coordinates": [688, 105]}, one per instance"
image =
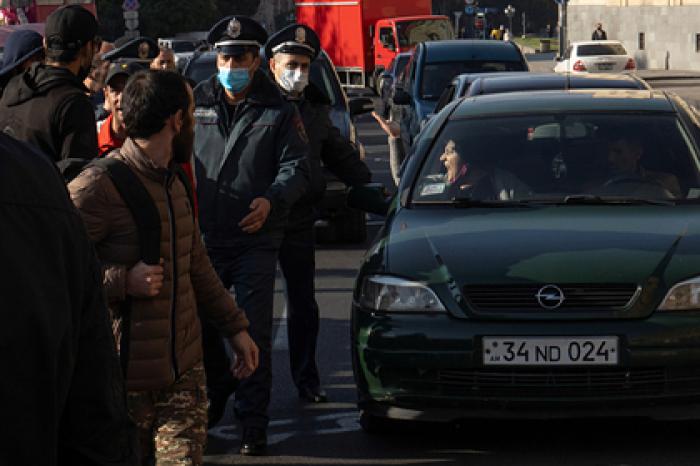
{"type": "Point", "coordinates": [669, 27]}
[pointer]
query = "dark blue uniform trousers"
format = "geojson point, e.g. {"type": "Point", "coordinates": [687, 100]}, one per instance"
{"type": "Point", "coordinates": [298, 265]}
{"type": "Point", "coordinates": [247, 266]}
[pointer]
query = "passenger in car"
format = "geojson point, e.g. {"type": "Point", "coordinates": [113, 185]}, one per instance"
{"type": "Point", "coordinates": [624, 155]}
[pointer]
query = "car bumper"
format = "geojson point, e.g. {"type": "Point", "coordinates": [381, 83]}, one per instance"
{"type": "Point", "coordinates": [431, 368]}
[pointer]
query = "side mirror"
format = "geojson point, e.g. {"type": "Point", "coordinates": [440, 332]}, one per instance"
{"type": "Point", "coordinates": [401, 97]}
{"type": "Point", "coordinates": [360, 105]}
{"type": "Point", "coordinates": [369, 197]}
{"type": "Point", "coordinates": [391, 47]}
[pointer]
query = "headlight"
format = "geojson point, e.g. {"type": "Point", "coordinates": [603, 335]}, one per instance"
{"type": "Point", "coordinates": [684, 296]}
{"type": "Point", "coordinates": [392, 294]}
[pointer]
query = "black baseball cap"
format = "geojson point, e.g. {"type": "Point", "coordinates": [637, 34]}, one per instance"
{"type": "Point", "coordinates": [69, 28]}
{"type": "Point", "coordinates": [122, 68]}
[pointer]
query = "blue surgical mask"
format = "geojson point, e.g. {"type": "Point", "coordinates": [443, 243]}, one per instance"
{"type": "Point", "coordinates": [234, 79]}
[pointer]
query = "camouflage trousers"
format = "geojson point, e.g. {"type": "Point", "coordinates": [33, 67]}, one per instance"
{"type": "Point", "coordinates": [172, 422]}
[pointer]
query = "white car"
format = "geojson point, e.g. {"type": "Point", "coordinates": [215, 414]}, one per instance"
{"type": "Point", "coordinates": [597, 56]}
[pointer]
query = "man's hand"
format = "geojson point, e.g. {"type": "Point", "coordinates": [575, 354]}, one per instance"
{"type": "Point", "coordinates": [247, 354]}
{"type": "Point", "coordinates": [391, 128]}
{"type": "Point", "coordinates": [260, 210]}
{"type": "Point", "coordinates": [144, 281]}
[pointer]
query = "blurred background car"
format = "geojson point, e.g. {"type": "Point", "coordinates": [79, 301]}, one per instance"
{"type": "Point", "coordinates": [387, 80]}
{"type": "Point", "coordinates": [598, 56]}
{"type": "Point", "coordinates": [337, 222]}
{"type": "Point", "coordinates": [434, 64]}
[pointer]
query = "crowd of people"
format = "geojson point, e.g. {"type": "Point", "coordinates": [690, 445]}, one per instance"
{"type": "Point", "coordinates": [143, 224]}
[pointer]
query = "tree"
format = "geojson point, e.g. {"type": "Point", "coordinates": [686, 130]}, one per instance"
{"type": "Point", "coordinates": [237, 7]}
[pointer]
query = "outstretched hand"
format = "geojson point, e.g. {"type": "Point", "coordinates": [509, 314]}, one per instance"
{"type": "Point", "coordinates": [390, 127]}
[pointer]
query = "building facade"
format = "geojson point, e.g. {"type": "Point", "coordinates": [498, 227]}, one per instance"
{"type": "Point", "coordinates": [659, 34]}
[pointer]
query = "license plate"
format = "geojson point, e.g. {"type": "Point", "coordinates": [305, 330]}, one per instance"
{"type": "Point", "coordinates": [550, 351]}
{"type": "Point", "coordinates": [605, 66]}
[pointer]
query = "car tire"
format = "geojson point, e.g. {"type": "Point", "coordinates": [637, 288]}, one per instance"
{"type": "Point", "coordinates": [374, 425]}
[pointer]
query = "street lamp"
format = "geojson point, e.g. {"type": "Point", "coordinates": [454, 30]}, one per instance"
{"type": "Point", "coordinates": [510, 12]}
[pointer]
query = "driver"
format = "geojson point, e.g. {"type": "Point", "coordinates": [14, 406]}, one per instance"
{"type": "Point", "coordinates": [467, 179]}
{"type": "Point", "coordinates": [624, 155]}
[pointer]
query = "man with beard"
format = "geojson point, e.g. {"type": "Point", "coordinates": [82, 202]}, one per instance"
{"type": "Point", "coordinates": [47, 105]}
{"type": "Point", "coordinates": [290, 53]}
{"type": "Point", "coordinates": [155, 305]}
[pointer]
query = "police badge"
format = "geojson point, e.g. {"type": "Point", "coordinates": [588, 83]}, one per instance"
{"type": "Point", "coordinates": [300, 35]}
{"type": "Point", "coordinates": [234, 28]}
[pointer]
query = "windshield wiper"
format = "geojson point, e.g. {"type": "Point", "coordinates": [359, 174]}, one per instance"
{"type": "Point", "coordinates": [592, 199]}
{"type": "Point", "coordinates": [469, 202]}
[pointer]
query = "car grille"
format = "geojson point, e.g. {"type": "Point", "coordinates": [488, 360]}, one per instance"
{"type": "Point", "coordinates": [523, 297]}
{"type": "Point", "coordinates": [567, 383]}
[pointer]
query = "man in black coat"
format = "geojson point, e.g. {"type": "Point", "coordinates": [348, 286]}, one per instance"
{"type": "Point", "coordinates": [290, 53]}
{"type": "Point", "coordinates": [62, 392]}
{"type": "Point", "coordinates": [47, 106]}
{"type": "Point", "coordinates": [251, 167]}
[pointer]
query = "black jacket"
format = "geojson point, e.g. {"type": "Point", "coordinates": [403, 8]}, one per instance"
{"type": "Point", "coordinates": [48, 107]}
{"type": "Point", "coordinates": [262, 152]}
{"type": "Point", "coordinates": [327, 148]}
{"type": "Point", "coordinates": [63, 399]}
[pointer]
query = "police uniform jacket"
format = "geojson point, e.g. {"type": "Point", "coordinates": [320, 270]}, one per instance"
{"type": "Point", "coordinates": [261, 151]}
{"type": "Point", "coordinates": [327, 148]}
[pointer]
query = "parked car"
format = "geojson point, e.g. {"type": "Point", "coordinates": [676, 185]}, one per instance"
{"type": "Point", "coordinates": [339, 223]}
{"type": "Point", "coordinates": [538, 261]}
{"type": "Point", "coordinates": [599, 56]}
{"type": "Point", "coordinates": [387, 80]}
{"type": "Point", "coordinates": [684, 83]}
{"type": "Point", "coordinates": [433, 65]}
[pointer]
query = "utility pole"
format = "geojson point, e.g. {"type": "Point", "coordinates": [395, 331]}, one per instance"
{"type": "Point", "coordinates": [562, 26]}
{"type": "Point", "coordinates": [510, 12]}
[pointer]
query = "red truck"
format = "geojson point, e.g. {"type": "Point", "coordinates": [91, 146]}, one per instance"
{"type": "Point", "coordinates": [363, 36]}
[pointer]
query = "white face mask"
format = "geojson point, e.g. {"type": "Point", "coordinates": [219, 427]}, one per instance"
{"type": "Point", "coordinates": [294, 80]}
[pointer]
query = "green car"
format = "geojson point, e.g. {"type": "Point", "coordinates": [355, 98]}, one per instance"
{"type": "Point", "coordinates": [541, 259]}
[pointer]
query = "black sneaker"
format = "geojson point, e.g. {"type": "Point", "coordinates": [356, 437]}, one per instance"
{"type": "Point", "coordinates": [254, 442]}
{"type": "Point", "coordinates": [313, 395]}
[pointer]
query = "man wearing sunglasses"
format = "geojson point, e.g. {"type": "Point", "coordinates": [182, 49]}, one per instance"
{"type": "Point", "coordinates": [47, 105]}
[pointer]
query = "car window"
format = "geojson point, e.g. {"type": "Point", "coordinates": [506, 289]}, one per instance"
{"type": "Point", "coordinates": [401, 62]}
{"type": "Point", "coordinates": [386, 37]}
{"type": "Point", "coordinates": [549, 157]}
{"type": "Point", "coordinates": [201, 68]}
{"type": "Point", "coordinates": [413, 32]}
{"type": "Point", "coordinates": [437, 75]}
{"type": "Point", "coordinates": [600, 49]}
{"type": "Point", "coordinates": [445, 98]}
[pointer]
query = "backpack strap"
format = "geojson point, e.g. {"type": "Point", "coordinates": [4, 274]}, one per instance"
{"type": "Point", "coordinates": [189, 189]}
{"type": "Point", "coordinates": [140, 203]}
{"type": "Point", "coordinates": [147, 219]}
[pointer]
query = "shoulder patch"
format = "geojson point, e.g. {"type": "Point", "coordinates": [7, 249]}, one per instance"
{"type": "Point", "coordinates": [206, 116]}
{"type": "Point", "coordinates": [299, 125]}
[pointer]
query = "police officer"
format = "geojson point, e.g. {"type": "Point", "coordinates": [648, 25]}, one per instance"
{"type": "Point", "coordinates": [290, 53]}
{"type": "Point", "coordinates": [251, 167]}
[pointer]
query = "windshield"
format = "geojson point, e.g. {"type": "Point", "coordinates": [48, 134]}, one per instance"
{"type": "Point", "coordinates": [437, 76]}
{"type": "Point", "coordinates": [413, 32]}
{"type": "Point", "coordinates": [182, 46]}
{"type": "Point", "coordinates": [600, 49]}
{"type": "Point", "coordinates": [201, 68]}
{"type": "Point", "coordinates": [560, 159]}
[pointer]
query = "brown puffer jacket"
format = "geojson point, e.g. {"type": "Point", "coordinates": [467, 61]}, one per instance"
{"type": "Point", "coordinates": [165, 333]}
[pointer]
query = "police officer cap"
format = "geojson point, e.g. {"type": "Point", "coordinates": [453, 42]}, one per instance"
{"type": "Point", "coordinates": [296, 39]}
{"type": "Point", "coordinates": [141, 48]}
{"type": "Point", "coordinates": [235, 35]}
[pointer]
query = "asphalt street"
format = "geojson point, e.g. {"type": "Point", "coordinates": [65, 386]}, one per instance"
{"type": "Point", "coordinates": [327, 434]}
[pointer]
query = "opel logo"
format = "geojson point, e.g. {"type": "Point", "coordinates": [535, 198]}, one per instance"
{"type": "Point", "coordinates": [550, 297]}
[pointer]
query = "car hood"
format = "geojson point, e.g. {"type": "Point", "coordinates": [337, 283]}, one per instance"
{"type": "Point", "coordinates": [557, 244]}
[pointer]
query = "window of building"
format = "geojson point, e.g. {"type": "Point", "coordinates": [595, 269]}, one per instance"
{"type": "Point", "coordinates": [641, 41]}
